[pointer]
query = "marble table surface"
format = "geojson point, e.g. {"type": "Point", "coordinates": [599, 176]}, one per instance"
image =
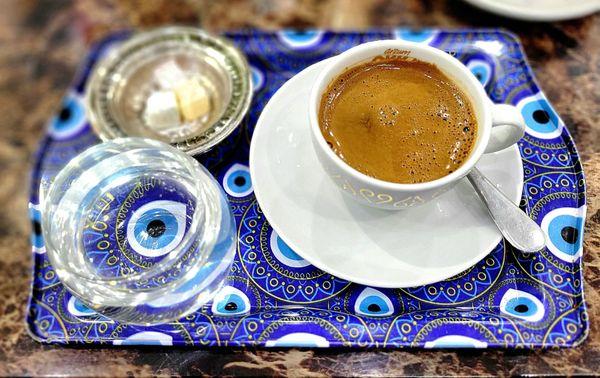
{"type": "Point", "coordinates": [41, 43]}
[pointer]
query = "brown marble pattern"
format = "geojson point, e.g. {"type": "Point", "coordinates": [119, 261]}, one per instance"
{"type": "Point", "coordinates": [41, 43]}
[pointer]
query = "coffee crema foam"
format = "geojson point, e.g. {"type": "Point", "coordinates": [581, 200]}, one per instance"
{"type": "Point", "coordinates": [399, 120]}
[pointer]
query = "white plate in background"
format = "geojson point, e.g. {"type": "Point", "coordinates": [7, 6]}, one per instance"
{"type": "Point", "coordinates": [539, 10]}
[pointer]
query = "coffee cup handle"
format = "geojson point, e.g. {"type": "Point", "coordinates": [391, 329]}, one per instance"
{"type": "Point", "coordinates": [508, 127]}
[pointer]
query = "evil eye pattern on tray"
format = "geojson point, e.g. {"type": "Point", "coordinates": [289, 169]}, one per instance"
{"type": "Point", "coordinates": [275, 298]}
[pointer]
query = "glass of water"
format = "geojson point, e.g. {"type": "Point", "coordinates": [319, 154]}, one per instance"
{"type": "Point", "coordinates": [139, 231]}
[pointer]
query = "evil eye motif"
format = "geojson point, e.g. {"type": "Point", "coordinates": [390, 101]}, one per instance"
{"type": "Point", "coordinates": [481, 69]}
{"type": "Point", "coordinates": [37, 241]}
{"type": "Point", "coordinates": [285, 254]}
{"type": "Point", "coordinates": [299, 339]}
{"type": "Point", "coordinates": [522, 305]}
{"type": "Point", "coordinates": [70, 120]}
{"type": "Point", "coordinates": [420, 36]}
{"type": "Point", "coordinates": [237, 181]}
{"type": "Point", "coordinates": [300, 39]}
{"type": "Point", "coordinates": [146, 338]}
{"type": "Point", "coordinates": [77, 308]}
{"type": "Point", "coordinates": [541, 120]}
{"type": "Point", "coordinates": [258, 78]}
{"type": "Point", "coordinates": [564, 232]}
{"type": "Point", "coordinates": [156, 228]}
{"type": "Point", "coordinates": [455, 341]}
{"type": "Point", "coordinates": [230, 301]}
{"type": "Point", "coordinates": [214, 266]}
{"type": "Point", "coordinates": [372, 302]}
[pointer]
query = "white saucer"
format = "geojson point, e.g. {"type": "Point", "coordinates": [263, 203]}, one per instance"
{"type": "Point", "coordinates": [354, 242]}
{"type": "Point", "coordinates": [539, 10]}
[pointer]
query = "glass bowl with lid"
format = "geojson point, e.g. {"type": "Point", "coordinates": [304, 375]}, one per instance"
{"type": "Point", "coordinates": [160, 60]}
{"type": "Point", "coordinates": [138, 230]}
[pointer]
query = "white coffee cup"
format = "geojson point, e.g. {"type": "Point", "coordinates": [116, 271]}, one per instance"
{"type": "Point", "coordinates": [499, 127]}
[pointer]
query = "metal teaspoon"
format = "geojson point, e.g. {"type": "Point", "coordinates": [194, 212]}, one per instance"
{"type": "Point", "coordinates": [516, 226]}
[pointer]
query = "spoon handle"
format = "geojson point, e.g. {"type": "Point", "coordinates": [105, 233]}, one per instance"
{"type": "Point", "coordinates": [516, 226]}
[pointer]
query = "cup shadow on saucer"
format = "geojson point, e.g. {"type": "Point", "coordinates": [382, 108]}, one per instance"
{"type": "Point", "coordinates": [372, 220]}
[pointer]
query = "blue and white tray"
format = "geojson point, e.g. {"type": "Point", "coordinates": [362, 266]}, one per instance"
{"type": "Point", "coordinates": [509, 299]}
